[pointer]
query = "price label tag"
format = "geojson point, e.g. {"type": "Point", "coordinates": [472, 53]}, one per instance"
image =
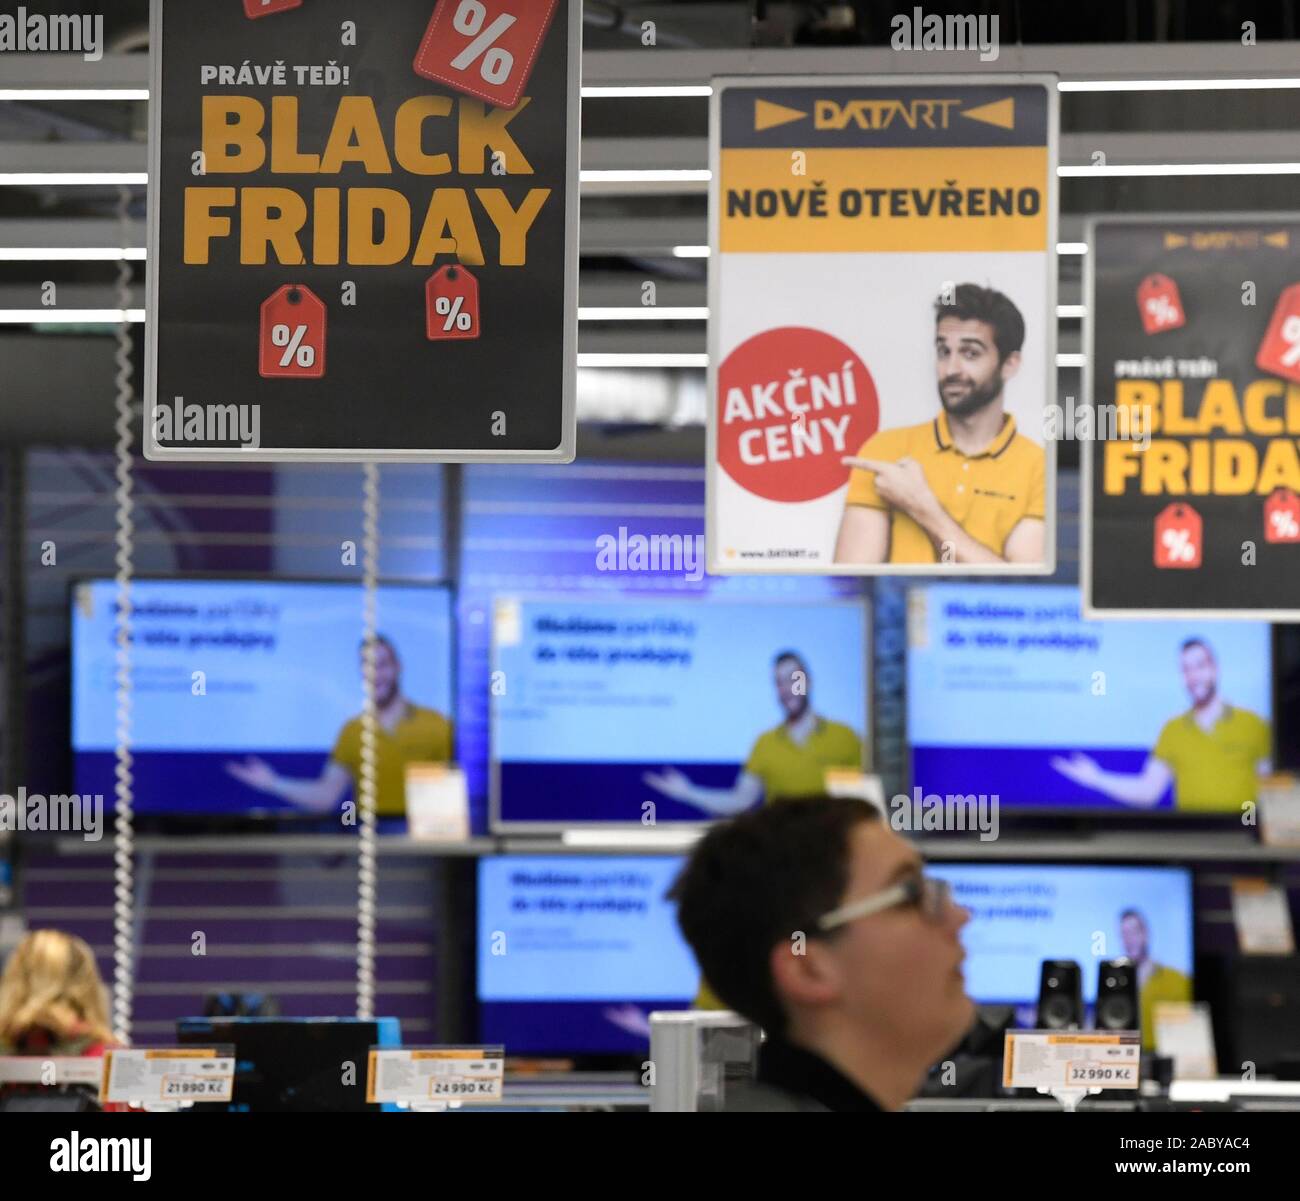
{"type": "Point", "coordinates": [1179, 538]}
{"type": "Point", "coordinates": [451, 304]}
{"type": "Point", "coordinates": [424, 1075]}
{"type": "Point", "coordinates": [1282, 516]}
{"type": "Point", "coordinates": [485, 48]}
{"type": "Point", "coordinates": [182, 1087]}
{"type": "Point", "coordinates": [169, 1075]}
{"type": "Point", "coordinates": [1069, 1060]}
{"type": "Point", "coordinates": [264, 8]}
{"type": "Point", "coordinates": [1160, 304]}
{"type": "Point", "coordinates": [1262, 915]}
{"type": "Point", "coordinates": [292, 342]}
{"type": "Point", "coordinates": [842, 781]}
{"type": "Point", "coordinates": [1185, 1034]}
{"type": "Point", "coordinates": [1279, 811]}
{"type": "Point", "coordinates": [1279, 352]}
{"type": "Point", "coordinates": [437, 802]}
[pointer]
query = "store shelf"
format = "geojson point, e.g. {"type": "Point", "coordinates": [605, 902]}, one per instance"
{"type": "Point", "coordinates": [1144, 846]}
{"type": "Point", "coordinates": [278, 844]}
{"type": "Point", "coordinates": [1116, 846]}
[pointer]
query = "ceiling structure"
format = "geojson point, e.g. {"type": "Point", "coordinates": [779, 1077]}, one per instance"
{"type": "Point", "coordinates": [1179, 113]}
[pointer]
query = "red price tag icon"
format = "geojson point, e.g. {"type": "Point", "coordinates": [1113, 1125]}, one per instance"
{"type": "Point", "coordinates": [485, 48]}
{"type": "Point", "coordinates": [264, 8]}
{"type": "Point", "coordinates": [1279, 352]}
{"type": "Point", "coordinates": [292, 343]}
{"type": "Point", "coordinates": [451, 305]}
{"type": "Point", "coordinates": [1178, 537]}
{"type": "Point", "coordinates": [1160, 305]}
{"type": "Point", "coordinates": [1282, 517]}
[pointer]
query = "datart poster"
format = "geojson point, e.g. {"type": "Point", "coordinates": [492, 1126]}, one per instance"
{"type": "Point", "coordinates": [883, 321]}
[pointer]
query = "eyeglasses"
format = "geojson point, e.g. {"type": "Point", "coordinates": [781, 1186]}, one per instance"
{"type": "Point", "coordinates": [931, 897]}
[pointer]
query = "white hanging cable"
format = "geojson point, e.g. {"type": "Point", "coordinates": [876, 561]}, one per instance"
{"type": "Point", "coordinates": [124, 840]}
{"type": "Point", "coordinates": [367, 876]}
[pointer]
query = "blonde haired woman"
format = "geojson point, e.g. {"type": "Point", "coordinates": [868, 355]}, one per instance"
{"type": "Point", "coordinates": [52, 998]}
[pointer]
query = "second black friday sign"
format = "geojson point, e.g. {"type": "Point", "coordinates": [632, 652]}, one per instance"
{"type": "Point", "coordinates": [1191, 474]}
{"type": "Point", "coordinates": [363, 230]}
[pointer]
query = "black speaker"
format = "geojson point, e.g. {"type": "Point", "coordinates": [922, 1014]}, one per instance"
{"type": "Point", "coordinates": [1117, 996]}
{"type": "Point", "coordinates": [1060, 995]}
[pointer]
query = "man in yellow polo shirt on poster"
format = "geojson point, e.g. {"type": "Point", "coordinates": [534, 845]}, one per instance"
{"type": "Point", "coordinates": [404, 733]}
{"type": "Point", "coordinates": [966, 487]}
{"type": "Point", "coordinates": [786, 762]}
{"type": "Point", "coordinates": [1156, 982]}
{"type": "Point", "coordinates": [1213, 754]}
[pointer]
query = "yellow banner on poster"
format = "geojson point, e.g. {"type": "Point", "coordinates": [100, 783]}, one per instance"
{"type": "Point", "coordinates": [845, 200]}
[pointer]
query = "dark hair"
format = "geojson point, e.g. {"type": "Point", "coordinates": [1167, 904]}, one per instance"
{"type": "Point", "coordinates": [1137, 913]}
{"type": "Point", "coordinates": [754, 881]}
{"type": "Point", "coordinates": [382, 640]}
{"type": "Point", "coordinates": [793, 656]}
{"type": "Point", "coordinates": [1191, 642]}
{"type": "Point", "coordinates": [973, 303]}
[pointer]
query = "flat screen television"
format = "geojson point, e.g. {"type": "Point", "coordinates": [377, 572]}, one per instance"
{"type": "Point", "coordinates": [231, 674]}
{"type": "Point", "coordinates": [1011, 693]}
{"type": "Point", "coordinates": [643, 712]}
{"type": "Point", "coordinates": [1023, 913]}
{"type": "Point", "coordinates": [575, 952]}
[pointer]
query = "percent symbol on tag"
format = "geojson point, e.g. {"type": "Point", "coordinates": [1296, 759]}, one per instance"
{"type": "Point", "coordinates": [487, 49]}
{"type": "Point", "coordinates": [444, 306]}
{"type": "Point", "coordinates": [1284, 524]}
{"type": "Point", "coordinates": [1279, 349]}
{"type": "Point", "coordinates": [1161, 310]}
{"type": "Point", "coordinates": [1178, 544]}
{"type": "Point", "coordinates": [291, 337]}
{"type": "Point", "coordinates": [1291, 336]}
{"type": "Point", "coordinates": [1179, 537]}
{"type": "Point", "coordinates": [497, 63]}
{"type": "Point", "coordinates": [452, 304]}
{"type": "Point", "coordinates": [295, 349]}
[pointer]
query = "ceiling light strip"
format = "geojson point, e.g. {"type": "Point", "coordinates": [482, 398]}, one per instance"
{"type": "Point", "coordinates": [72, 254]}
{"type": "Point", "coordinates": [69, 316]}
{"type": "Point", "coordinates": [677, 91]}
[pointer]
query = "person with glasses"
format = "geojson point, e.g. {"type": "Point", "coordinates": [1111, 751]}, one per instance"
{"type": "Point", "coordinates": [818, 923]}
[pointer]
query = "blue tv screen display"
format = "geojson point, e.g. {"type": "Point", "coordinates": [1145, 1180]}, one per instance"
{"type": "Point", "coordinates": [228, 673]}
{"type": "Point", "coordinates": [1024, 913]}
{"type": "Point", "coordinates": [606, 708]}
{"type": "Point", "coordinates": [575, 952]}
{"type": "Point", "coordinates": [1011, 693]}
